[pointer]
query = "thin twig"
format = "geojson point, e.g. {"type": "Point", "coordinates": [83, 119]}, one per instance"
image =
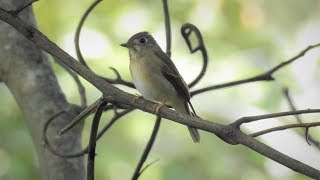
{"type": "Point", "coordinates": [17, 11]}
{"type": "Point", "coordinates": [147, 149]}
{"type": "Point", "coordinates": [261, 77]}
{"type": "Point", "coordinates": [81, 89]}
{"type": "Point", "coordinates": [186, 31]}
{"type": "Point", "coordinates": [167, 27]}
{"type": "Point", "coordinates": [118, 79]}
{"type": "Point", "coordinates": [92, 141]}
{"type": "Point", "coordinates": [249, 119]}
{"type": "Point", "coordinates": [266, 76]}
{"type": "Point", "coordinates": [148, 165]}
{"type": "Point", "coordinates": [306, 134]}
{"type": "Point", "coordinates": [284, 127]}
{"type": "Point", "coordinates": [285, 63]}
{"type": "Point", "coordinates": [85, 113]}
{"type": "Point", "coordinates": [308, 137]}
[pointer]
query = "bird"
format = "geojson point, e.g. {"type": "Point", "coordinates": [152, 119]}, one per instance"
{"type": "Point", "coordinates": [156, 77]}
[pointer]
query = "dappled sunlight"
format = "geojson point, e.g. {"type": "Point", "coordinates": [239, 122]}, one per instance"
{"type": "Point", "coordinates": [206, 12]}
{"type": "Point", "coordinates": [94, 45]}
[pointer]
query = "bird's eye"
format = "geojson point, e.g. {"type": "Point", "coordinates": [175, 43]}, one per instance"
{"type": "Point", "coordinates": [142, 40]}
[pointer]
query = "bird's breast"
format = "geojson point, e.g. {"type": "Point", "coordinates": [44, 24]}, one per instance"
{"type": "Point", "coordinates": [149, 81]}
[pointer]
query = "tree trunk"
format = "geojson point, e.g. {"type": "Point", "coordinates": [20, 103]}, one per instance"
{"type": "Point", "coordinates": [25, 70]}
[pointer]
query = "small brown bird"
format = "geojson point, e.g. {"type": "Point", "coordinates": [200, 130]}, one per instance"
{"type": "Point", "coordinates": [156, 77]}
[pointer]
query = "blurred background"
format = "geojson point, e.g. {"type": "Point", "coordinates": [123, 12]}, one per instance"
{"type": "Point", "coordinates": [242, 37]}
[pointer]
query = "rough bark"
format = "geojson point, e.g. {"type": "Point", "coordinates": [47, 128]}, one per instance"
{"type": "Point", "coordinates": [26, 71]}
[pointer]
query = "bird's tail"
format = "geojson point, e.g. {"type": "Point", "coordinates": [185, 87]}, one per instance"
{"type": "Point", "coordinates": [185, 109]}
{"type": "Point", "coordinates": [193, 132]}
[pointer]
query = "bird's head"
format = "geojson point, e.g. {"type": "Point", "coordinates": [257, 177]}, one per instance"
{"type": "Point", "coordinates": [141, 42]}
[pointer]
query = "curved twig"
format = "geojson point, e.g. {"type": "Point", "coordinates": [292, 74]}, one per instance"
{"type": "Point", "coordinates": [186, 31]}
{"type": "Point", "coordinates": [79, 54]}
{"type": "Point", "coordinates": [81, 89]}
{"type": "Point", "coordinates": [118, 80]}
{"type": "Point", "coordinates": [306, 135]}
{"type": "Point", "coordinates": [92, 141]}
{"type": "Point", "coordinates": [284, 127]}
{"type": "Point", "coordinates": [266, 76]}
{"type": "Point", "coordinates": [146, 151]}
{"type": "Point", "coordinates": [167, 26]}
{"type": "Point", "coordinates": [78, 31]}
{"type": "Point", "coordinates": [48, 145]}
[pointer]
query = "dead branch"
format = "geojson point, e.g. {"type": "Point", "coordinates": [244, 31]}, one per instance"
{"type": "Point", "coordinates": [266, 76]}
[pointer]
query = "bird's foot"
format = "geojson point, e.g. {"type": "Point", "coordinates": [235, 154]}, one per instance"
{"type": "Point", "coordinates": [137, 97]}
{"type": "Point", "coordinates": [158, 107]}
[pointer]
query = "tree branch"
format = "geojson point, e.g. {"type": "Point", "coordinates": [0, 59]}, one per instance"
{"type": "Point", "coordinates": [81, 89]}
{"type": "Point", "coordinates": [17, 11]}
{"type": "Point", "coordinates": [249, 119]}
{"type": "Point", "coordinates": [186, 31]}
{"type": "Point", "coordinates": [284, 127]}
{"type": "Point", "coordinates": [266, 76]}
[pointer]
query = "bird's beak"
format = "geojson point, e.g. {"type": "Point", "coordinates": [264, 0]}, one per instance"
{"type": "Point", "coordinates": [126, 45]}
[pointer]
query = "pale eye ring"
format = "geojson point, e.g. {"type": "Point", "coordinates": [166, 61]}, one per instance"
{"type": "Point", "coordinates": [143, 40]}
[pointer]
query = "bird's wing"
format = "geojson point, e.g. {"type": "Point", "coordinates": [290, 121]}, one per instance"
{"type": "Point", "coordinates": [170, 72]}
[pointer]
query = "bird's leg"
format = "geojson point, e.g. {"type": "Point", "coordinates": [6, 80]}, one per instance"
{"type": "Point", "coordinates": [137, 97]}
